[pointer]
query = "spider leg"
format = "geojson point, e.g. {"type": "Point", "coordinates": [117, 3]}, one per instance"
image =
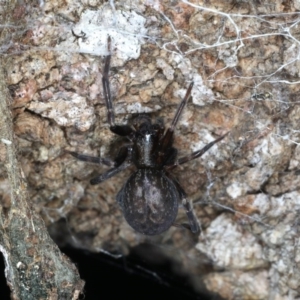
{"type": "Point", "coordinates": [122, 130]}
{"type": "Point", "coordinates": [92, 159]}
{"type": "Point", "coordinates": [195, 154]}
{"type": "Point", "coordinates": [193, 221]}
{"type": "Point", "coordinates": [123, 161]}
{"type": "Point", "coordinates": [184, 226]}
{"type": "Point", "coordinates": [110, 173]}
{"type": "Point", "coordinates": [167, 140]}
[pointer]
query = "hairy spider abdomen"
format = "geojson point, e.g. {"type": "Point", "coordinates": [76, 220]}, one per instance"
{"type": "Point", "coordinates": [149, 200]}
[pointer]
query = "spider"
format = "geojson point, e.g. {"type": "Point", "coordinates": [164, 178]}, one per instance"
{"type": "Point", "coordinates": [150, 197]}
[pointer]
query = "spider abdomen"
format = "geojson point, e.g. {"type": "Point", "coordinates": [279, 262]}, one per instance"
{"type": "Point", "coordinates": [149, 200]}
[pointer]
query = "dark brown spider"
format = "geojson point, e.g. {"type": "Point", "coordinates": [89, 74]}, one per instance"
{"type": "Point", "coordinates": [150, 197]}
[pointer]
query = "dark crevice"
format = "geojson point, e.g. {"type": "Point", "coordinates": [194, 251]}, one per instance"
{"type": "Point", "coordinates": [4, 289]}
{"type": "Point", "coordinates": [132, 277]}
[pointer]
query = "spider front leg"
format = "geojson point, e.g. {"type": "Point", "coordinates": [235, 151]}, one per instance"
{"type": "Point", "coordinates": [166, 141]}
{"type": "Point", "coordinates": [122, 130]}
